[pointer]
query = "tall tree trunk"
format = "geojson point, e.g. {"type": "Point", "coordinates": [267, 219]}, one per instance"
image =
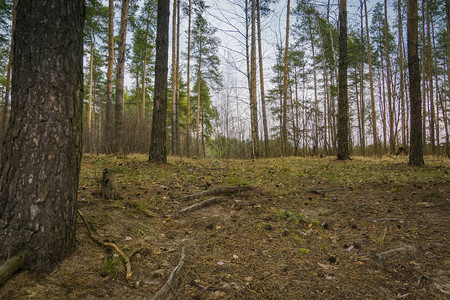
{"type": "Point", "coordinates": [343, 134]}
{"type": "Point", "coordinates": [91, 68]}
{"type": "Point", "coordinates": [437, 91]}
{"type": "Point", "coordinates": [177, 85]}
{"type": "Point", "coordinates": [376, 147]}
{"type": "Point", "coordinates": [144, 67]}
{"type": "Point", "coordinates": [261, 81]}
{"type": "Point", "coordinates": [199, 82]}
{"type": "Point", "coordinates": [109, 133]}
{"type": "Point", "coordinates": [174, 76]}
{"type": "Point", "coordinates": [118, 147]}
{"type": "Point", "coordinates": [188, 95]}
{"type": "Point", "coordinates": [362, 105]}
{"type": "Point", "coordinates": [392, 144]}
{"type": "Point", "coordinates": [4, 114]}
{"type": "Point", "coordinates": [400, 63]}
{"type": "Point", "coordinates": [285, 82]}
{"type": "Point", "coordinates": [416, 150]}
{"type": "Point", "coordinates": [424, 90]}
{"type": "Point", "coordinates": [253, 102]}
{"type": "Point", "coordinates": [158, 152]}
{"type": "Point", "coordinates": [41, 160]}
{"type": "Point", "coordinates": [447, 9]}
{"type": "Point", "coordinates": [430, 82]}
{"type": "Point", "coordinates": [316, 99]}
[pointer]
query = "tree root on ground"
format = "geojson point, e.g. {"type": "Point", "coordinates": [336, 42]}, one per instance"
{"type": "Point", "coordinates": [125, 258]}
{"type": "Point", "coordinates": [170, 288]}
{"type": "Point", "coordinates": [10, 267]}
{"type": "Point", "coordinates": [217, 191]}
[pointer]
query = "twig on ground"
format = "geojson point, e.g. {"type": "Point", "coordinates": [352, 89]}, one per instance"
{"type": "Point", "coordinates": [201, 204]}
{"type": "Point", "coordinates": [170, 288]}
{"type": "Point", "coordinates": [216, 191]}
{"type": "Point", "coordinates": [125, 258]}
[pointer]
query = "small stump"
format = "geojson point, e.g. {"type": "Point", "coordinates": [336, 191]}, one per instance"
{"type": "Point", "coordinates": [108, 185]}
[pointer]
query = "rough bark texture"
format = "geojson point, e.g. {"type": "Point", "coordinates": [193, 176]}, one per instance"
{"type": "Point", "coordinates": [416, 151]}
{"type": "Point", "coordinates": [41, 161]}
{"type": "Point", "coordinates": [158, 152]}
{"type": "Point", "coordinates": [174, 77]}
{"type": "Point", "coordinates": [109, 134]}
{"type": "Point", "coordinates": [343, 149]}
{"type": "Point", "coordinates": [118, 147]}
{"type": "Point", "coordinates": [253, 102]}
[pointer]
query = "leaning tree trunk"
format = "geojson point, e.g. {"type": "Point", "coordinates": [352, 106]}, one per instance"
{"type": "Point", "coordinates": [416, 149]}
{"type": "Point", "coordinates": [41, 160]}
{"type": "Point", "coordinates": [158, 151]}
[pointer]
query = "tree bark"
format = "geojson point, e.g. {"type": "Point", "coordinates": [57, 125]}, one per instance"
{"type": "Point", "coordinates": [261, 82]}
{"type": "Point", "coordinates": [416, 151]}
{"type": "Point", "coordinates": [400, 63]}
{"type": "Point", "coordinates": [376, 147]}
{"type": "Point", "coordinates": [109, 133]}
{"type": "Point", "coordinates": [118, 121]}
{"type": "Point", "coordinates": [447, 9]}
{"type": "Point", "coordinates": [430, 82]}
{"type": "Point", "coordinates": [41, 161]}
{"type": "Point", "coordinates": [177, 86]}
{"type": "Point", "coordinates": [285, 82]}
{"type": "Point", "coordinates": [188, 95]}
{"type": "Point", "coordinates": [253, 102]}
{"type": "Point", "coordinates": [143, 70]}
{"type": "Point", "coordinates": [158, 137]}
{"type": "Point", "coordinates": [174, 77]}
{"type": "Point", "coordinates": [91, 68]}
{"type": "Point", "coordinates": [343, 134]}
{"type": "Point", "coordinates": [392, 145]}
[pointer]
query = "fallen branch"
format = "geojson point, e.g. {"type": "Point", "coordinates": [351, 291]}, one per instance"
{"type": "Point", "coordinates": [201, 204]}
{"type": "Point", "coordinates": [217, 191]}
{"type": "Point", "coordinates": [10, 267]}
{"type": "Point", "coordinates": [125, 258]}
{"type": "Point", "coordinates": [170, 288]}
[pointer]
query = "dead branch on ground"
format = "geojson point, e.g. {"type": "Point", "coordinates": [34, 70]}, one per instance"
{"type": "Point", "coordinates": [170, 288]}
{"type": "Point", "coordinates": [125, 258]}
{"type": "Point", "coordinates": [213, 192]}
{"type": "Point", "coordinates": [201, 204]}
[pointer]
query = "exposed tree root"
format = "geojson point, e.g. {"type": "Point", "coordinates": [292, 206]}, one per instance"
{"type": "Point", "coordinates": [125, 258]}
{"type": "Point", "coordinates": [201, 204]}
{"type": "Point", "coordinates": [10, 267]}
{"type": "Point", "coordinates": [217, 191]}
{"type": "Point", "coordinates": [170, 288]}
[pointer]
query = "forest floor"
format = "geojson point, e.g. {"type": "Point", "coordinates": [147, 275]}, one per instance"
{"type": "Point", "coordinates": [312, 228]}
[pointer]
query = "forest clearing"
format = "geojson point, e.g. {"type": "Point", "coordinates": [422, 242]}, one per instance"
{"type": "Point", "coordinates": [310, 228]}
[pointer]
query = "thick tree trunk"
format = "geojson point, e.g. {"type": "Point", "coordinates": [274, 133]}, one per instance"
{"type": "Point", "coordinates": [285, 83]}
{"type": "Point", "coordinates": [158, 137]}
{"type": "Point", "coordinates": [343, 134]}
{"type": "Point", "coordinates": [253, 102]}
{"type": "Point", "coordinates": [188, 88]}
{"type": "Point", "coordinates": [109, 133]}
{"type": "Point", "coordinates": [416, 150]}
{"type": "Point", "coordinates": [261, 82]}
{"type": "Point", "coordinates": [376, 147]}
{"type": "Point", "coordinates": [41, 161]}
{"type": "Point", "coordinates": [118, 121]}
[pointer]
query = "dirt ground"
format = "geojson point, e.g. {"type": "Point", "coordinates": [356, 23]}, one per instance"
{"type": "Point", "coordinates": [311, 228]}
